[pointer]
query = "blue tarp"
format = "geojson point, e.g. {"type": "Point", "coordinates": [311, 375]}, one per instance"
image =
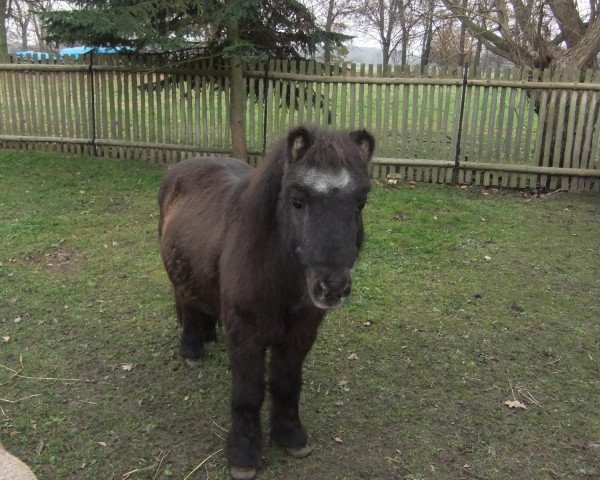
{"type": "Point", "coordinates": [76, 51]}
{"type": "Point", "coordinates": [71, 51]}
{"type": "Point", "coordinates": [34, 54]}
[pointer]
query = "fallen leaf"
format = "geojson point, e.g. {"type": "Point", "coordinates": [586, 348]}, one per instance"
{"type": "Point", "coordinates": [515, 404]}
{"type": "Point", "coordinates": [5, 339]}
{"type": "Point", "coordinates": [82, 191]}
{"type": "Point", "coordinates": [128, 367]}
{"type": "Point", "coordinates": [342, 383]}
{"type": "Point", "coordinates": [488, 258]}
{"type": "Point", "coordinates": [40, 447]}
{"type": "Point", "coordinates": [353, 356]}
{"type": "Point", "coordinates": [339, 403]}
{"type": "Point", "coordinates": [367, 324]}
{"type": "Point", "coordinates": [338, 440]}
{"type": "Point", "coordinates": [114, 244]}
{"type": "Point", "coordinates": [102, 444]}
{"type": "Point", "coordinates": [18, 320]}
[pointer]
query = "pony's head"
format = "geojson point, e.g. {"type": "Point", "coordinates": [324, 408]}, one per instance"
{"type": "Point", "coordinates": [323, 191]}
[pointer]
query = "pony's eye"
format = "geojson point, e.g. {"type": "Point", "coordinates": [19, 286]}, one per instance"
{"type": "Point", "coordinates": [298, 204]}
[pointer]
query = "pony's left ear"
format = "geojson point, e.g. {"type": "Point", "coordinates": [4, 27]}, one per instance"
{"type": "Point", "coordinates": [299, 141]}
{"type": "Point", "coordinates": [365, 141]}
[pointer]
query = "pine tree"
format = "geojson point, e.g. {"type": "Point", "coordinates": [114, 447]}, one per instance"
{"type": "Point", "coordinates": [268, 28]}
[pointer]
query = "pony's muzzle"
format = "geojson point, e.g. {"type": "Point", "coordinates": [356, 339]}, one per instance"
{"type": "Point", "coordinates": [329, 289]}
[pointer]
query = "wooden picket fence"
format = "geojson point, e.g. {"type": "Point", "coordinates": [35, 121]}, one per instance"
{"type": "Point", "coordinates": [494, 127]}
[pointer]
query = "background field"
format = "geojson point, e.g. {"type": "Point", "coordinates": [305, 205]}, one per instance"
{"type": "Point", "coordinates": [443, 337]}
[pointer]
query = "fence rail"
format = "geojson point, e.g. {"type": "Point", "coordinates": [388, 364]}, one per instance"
{"type": "Point", "coordinates": [519, 128]}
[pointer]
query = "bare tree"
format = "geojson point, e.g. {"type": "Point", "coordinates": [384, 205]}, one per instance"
{"type": "Point", "coordinates": [534, 33]}
{"type": "Point", "coordinates": [391, 22]}
{"type": "Point", "coordinates": [332, 16]}
{"type": "Point", "coordinates": [23, 23]}
{"type": "Point", "coordinates": [22, 15]}
{"type": "Point", "coordinates": [38, 27]}
{"type": "Point", "coordinates": [450, 46]}
{"type": "Point", "coordinates": [428, 15]}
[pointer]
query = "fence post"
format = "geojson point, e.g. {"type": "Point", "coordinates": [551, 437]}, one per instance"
{"type": "Point", "coordinates": [460, 122]}
{"type": "Point", "coordinates": [92, 103]}
{"type": "Point", "coordinates": [266, 101]}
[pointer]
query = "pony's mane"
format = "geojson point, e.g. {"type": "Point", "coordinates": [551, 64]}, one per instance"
{"type": "Point", "coordinates": [260, 194]}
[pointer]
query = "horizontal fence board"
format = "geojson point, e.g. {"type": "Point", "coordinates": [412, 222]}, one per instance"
{"type": "Point", "coordinates": [492, 167]}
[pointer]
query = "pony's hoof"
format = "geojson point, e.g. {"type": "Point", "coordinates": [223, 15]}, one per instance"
{"type": "Point", "coordinates": [192, 362]}
{"type": "Point", "coordinates": [300, 452]}
{"type": "Point", "coordinates": [243, 473]}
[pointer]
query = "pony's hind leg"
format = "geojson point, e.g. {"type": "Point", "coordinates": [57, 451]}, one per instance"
{"type": "Point", "coordinates": [198, 329]}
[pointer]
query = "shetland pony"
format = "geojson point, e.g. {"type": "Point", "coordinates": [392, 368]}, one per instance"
{"type": "Point", "coordinates": [267, 252]}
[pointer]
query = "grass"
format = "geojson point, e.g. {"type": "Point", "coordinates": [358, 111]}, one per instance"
{"type": "Point", "coordinates": [443, 337]}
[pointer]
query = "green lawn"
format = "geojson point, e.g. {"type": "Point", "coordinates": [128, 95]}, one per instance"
{"type": "Point", "coordinates": [91, 386]}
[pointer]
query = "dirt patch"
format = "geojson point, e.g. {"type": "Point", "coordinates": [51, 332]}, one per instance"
{"type": "Point", "coordinates": [63, 261]}
{"type": "Point", "coordinates": [401, 216]}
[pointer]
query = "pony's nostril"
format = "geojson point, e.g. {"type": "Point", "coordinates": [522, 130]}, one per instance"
{"type": "Point", "coordinates": [322, 290]}
{"type": "Point", "coordinates": [347, 289]}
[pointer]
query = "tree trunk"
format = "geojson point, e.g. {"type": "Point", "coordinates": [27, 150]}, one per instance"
{"type": "Point", "coordinates": [237, 94]}
{"type": "Point", "coordinates": [328, 27]}
{"type": "Point", "coordinates": [477, 59]}
{"type": "Point", "coordinates": [386, 59]}
{"type": "Point", "coordinates": [327, 53]}
{"type": "Point", "coordinates": [426, 51]}
{"type": "Point", "coordinates": [40, 34]}
{"type": "Point", "coordinates": [4, 56]}
{"type": "Point", "coordinates": [404, 48]}
{"type": "Point", "coordinates": [24, 36]}
{"type": "Point", "coordinates": [462, 40]}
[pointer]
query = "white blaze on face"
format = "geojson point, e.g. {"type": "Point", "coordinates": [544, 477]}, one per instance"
{"type": "Point", "coordinates": [323, 181]}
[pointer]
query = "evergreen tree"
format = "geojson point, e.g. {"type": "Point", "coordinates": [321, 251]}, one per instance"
{"type": "Point", "coordinates": [232, 29]}
{"type": "Point", "coordinates": [273, 28]}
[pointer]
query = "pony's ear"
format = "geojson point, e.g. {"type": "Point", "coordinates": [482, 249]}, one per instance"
{"type": "Point", "coordinates": [299, 141]}
{"type": "Point", "coordinates": [365, 141]}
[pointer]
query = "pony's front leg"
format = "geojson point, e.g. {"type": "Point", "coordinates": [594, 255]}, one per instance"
{"type": "Point", "coordinates": [247, 363]}
{"type": "Point", "coordinates": [285, 382]}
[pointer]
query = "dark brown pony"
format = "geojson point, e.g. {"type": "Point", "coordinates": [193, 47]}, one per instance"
{"type": "Point", "coordinates": [267, 252]}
